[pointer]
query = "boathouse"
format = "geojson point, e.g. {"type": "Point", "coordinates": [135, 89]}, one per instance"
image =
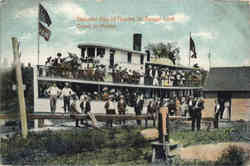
{"type": "Point", "coordinates": [232, 84]}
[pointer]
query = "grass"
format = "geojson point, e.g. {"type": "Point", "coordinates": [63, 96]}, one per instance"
{"type": "Point", "coordinates": [188, 137]}
{"type": "Point", "coordinates": [119, 146]}
{"type": "Point", "coordinates": [78, 147]}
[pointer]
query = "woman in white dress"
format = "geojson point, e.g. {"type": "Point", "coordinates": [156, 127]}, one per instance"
{"type": "Point", "coordinates": [226, 110]}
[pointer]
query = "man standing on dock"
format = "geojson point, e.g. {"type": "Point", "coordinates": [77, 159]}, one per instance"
{"type": "Point", "coordinates": [121, 106]}
{"type": "Point", "coordinates": [138, 107]}
{"type": "Point", "coordinates": [110, 109]}
{"type": "Point", "coordinates": [66, 93]}
{"type": "Point", "coordinates": [53, 92]}
{"type": "Point", "coordinates": [196, 115]}
{"type": "Point", "coordinates": [85, 105]}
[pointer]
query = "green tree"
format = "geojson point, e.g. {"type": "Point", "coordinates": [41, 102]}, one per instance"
{"type": "Point", "coordinates": [162, 50]}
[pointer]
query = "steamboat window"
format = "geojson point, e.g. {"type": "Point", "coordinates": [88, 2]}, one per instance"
{"type": "Point", "coordinates": [142, 59]}
{"type": "Point", "coordinates": [129, 57]}
{"type": "Point", "coordinates": [91, 52]}
{"type": "Point", "coordinates": [100, 52]}
{"type": "Point", "coordinates": [111, 57]}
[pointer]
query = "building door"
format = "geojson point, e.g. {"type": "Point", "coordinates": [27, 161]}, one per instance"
{"type": "Point", "coordinates": [225, 100]}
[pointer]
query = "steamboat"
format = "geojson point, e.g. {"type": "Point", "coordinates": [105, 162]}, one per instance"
{"type": "Point", "coordinates": [103, 70]}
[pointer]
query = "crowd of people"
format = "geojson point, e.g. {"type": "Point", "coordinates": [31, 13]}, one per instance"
{"type": "Point", "coordinates": [158, 76]}
{"type": "Point", "coordinates": [73, 67]}
{"type": "Point", "coordinates": [118, 103]}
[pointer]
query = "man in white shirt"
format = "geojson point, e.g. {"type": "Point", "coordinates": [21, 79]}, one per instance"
{"type": "Point", "coordinates": [53, 92]}
{"type": "Point", "coordinates": [59, 58]}
{"type": "Point", "coordinates": [66, 94]}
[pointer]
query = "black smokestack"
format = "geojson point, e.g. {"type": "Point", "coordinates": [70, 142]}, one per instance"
{"type": "Point", "coordinates": [137, 42]}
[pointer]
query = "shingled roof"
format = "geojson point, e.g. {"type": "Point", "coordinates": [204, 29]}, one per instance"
{"type": "Point", "coordinates": [228, 79]}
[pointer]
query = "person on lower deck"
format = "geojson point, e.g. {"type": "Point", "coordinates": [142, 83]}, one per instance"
{"type": "Point", "coordinates": [110, 109]}
{"type": "Point", "coordinates": [121, 106]}
{"type": "Point", "coordinates": [151, 112]}
{"type": "Point", "coordinates": [66, 94]}
{"type": "Point", "coordinates": [53, 92]}
{"type": "Point", "coordinates": [85, 105]}
{"type": "Point", "coordinates": [138, 106]}
{"type": "Point", "coordinates": [73, 109]}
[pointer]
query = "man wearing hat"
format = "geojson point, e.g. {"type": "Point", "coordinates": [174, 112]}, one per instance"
{"type": "Point", "coordinates": [121, 106]}
{"type": "Point", "coordinates": [53, 92]}
{"type": "Point", "coordinates": [110, 109]}
{"type": "Point", "coordinates": [58, 60]}
{"type": "Point", "coordinates": [73, 109]}
{"type": "Point", "coordinates": [66, 94]}
{"type": "Point", "coordinates": [138, 107]}
{"type": "Point", "coordinates": [84, 105]}
{"type": "Point", "coordinates": [196, 115]}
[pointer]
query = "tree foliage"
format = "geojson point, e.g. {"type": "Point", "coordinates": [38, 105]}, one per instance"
{"type": "Point", "coordinates": [7, 96]}
{"type": "Point", "coordinates": [162, 50]}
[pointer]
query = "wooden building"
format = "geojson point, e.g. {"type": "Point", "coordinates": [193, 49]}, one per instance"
{"type": "Point", "coordinates": [232, 84]}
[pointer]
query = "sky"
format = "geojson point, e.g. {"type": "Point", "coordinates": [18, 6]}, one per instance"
{"type": "Point", "coordinates": [221, 26]}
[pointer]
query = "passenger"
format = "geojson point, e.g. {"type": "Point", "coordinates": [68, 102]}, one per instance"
{"type": "Point", "coordinates": [121, 106]}
{"type": "Point", "coordinates": [184, 107]}
{"type": "Point", "coordinates": [73, 109]}
{"type": "Point", "coordinates": [142, 74]}
{"type": "Point", "coordinates": [110, 109]}
{"type": "Point", "coordinates": [197, 114]}
{"type": "Point", "coordinates": [85, 106]}
{"type": "Point", "coordinates": [66, 94]}
{"type": "Point", "coordinates": [138, 107]}
{"type": "Point", "coordinates": [54, 92]}
{"type": "Point", "coordinates": [151, 112]}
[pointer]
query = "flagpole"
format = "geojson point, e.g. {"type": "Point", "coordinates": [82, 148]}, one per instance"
{"type": "Point", "coordinates": [209, 58]}
{"type": "Point", "coordinates": [189, 50]}
{"type": "Point", "coordinates": [38, 35]}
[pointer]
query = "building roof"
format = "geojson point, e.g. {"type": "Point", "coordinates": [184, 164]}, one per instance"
{"type": "Point", "coordinates": [108, 46]}
{"type": "Point", "coordinates": [228, 79]}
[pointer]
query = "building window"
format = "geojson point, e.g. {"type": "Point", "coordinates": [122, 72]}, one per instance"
{"type": "Point", "coordinates": [142, 59]}
{"type": "Point", "coordinates": [129, 57]}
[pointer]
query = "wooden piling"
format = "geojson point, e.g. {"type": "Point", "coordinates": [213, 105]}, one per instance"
{"type": "Point", "coordinates": [20, 90]}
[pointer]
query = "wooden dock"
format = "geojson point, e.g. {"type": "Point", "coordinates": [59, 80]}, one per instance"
{"type": "Point", "coordinates": [99, 116]}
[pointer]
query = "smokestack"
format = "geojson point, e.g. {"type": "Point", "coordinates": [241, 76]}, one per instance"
{"type": "Point", "coordinates": [137, 42]}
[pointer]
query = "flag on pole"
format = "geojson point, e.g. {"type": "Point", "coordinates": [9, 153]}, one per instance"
{"type": "Point", "coordinates": [44, 32]}
{"type": "Point", "coordinates": [44, 16]}
{"type": "Point", "coordinates": [192, 48]}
